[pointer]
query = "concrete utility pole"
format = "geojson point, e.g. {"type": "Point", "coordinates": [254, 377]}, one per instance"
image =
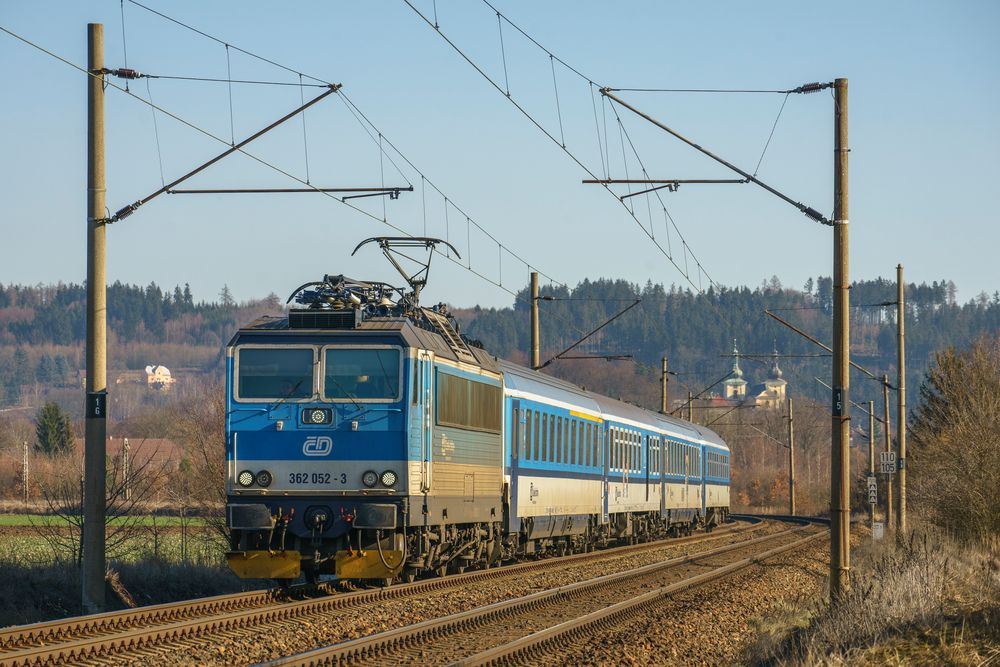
{"type": "Point", "coordinates": [871, 458]}
{"type": "Point", "coordinates": [888, 448]}
{"type": "Point", "coordinates": [901, 399]}
{"type": "Point", "coordinates": [791, 459]}
{"type": "Point", "coordinates": [840, 499]}
{"type": "Point", "coordinates": [96, 401]}
{"type": "Point", "coordinates": [535, 342]}
{"type": "Point", "coordinates": [663, 388]}
{"type": "Point", "coordinates": [690, 407]}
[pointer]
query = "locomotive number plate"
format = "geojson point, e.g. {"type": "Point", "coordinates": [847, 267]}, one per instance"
{"type": "Point", "coordinates": [317, 478]}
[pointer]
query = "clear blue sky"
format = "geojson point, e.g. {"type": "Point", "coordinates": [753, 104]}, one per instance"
{"type": "Point", "coordinates": [924, 99]}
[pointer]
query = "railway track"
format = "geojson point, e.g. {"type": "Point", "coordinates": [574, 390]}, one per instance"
{"type": "Point", "coordinates": [161, 629]}
{"type": "Point", "coordinates": [510, 631]}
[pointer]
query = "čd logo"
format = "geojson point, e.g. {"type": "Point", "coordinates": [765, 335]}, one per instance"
{"type": "Point", "coordinates": [317, 445]}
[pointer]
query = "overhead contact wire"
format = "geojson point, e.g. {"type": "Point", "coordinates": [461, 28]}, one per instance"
{"type": "Point", "coordinates": [540, 127]}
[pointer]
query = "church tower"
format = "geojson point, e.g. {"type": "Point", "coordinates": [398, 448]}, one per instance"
{"type": "Point", "coordinates": [736, 386]}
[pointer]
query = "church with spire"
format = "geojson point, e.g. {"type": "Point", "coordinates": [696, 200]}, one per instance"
{"type": "Point", "coordinates": [769, 394]}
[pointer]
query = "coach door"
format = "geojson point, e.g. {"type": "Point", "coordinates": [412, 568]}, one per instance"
{"type": "Point", "coordinates": [606, 452]}
{"type": "Point", "coordinates": [425, 388]}
{"type": "Point", "coordinates": [648, 464]}
{"type": "Point", "coordinates": [661, 466]}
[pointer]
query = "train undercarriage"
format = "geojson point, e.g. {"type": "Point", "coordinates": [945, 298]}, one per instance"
{"type": "Point", "coordinates": [388, 555]}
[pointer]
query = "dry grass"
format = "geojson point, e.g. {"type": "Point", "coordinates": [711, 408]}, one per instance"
{"type": "Point", "coordinates": [928, 600]}
{"type": "Point", "coordinates": [34, 593]}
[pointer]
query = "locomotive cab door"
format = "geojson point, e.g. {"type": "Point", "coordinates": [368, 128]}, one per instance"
{"type": "Point", "coordinates": [425, 388]}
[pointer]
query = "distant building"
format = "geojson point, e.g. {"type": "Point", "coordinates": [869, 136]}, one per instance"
{"type": "Point", "coordinates": [155, 377]}
{"type": "Point", "coordinates": [771, 394]}
{"type": "Point", "coordinates": [159, 377]}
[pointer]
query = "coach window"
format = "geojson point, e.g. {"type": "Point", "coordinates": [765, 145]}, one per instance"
{"type": "Point", "coordinates": [559, 440]}
{"type": "Point", "coordinates": [273, 373]}
{"type": "Point", "coordinates": [534, 438]}
{"type": "Point", "coordinates": [545, 437]}
{"type": "Point", "coordinates": [589, 428]}
{"type": "Point", "coordinates": [550, 442]}
{"type": "Point", "coordinates": [527, 434]}
{"type": "Point", "coordinates": [609, 447]}
{"type": "Point", "coordinates": [618, 449]}
{"type": "Point", "coordinates": [598, 434]}
{"type": "Point", "coordinates": [568, 433]}
{"type": "Point", "coordinates": [574, 428]}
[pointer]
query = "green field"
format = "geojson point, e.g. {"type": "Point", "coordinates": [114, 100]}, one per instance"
{"type": "Point", "coordinates": [39, 540]}
{"type": "Point", "coordinates": [52, 520]}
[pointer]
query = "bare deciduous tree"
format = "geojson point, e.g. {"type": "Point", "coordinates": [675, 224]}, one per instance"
{"type": "Point", "coordinates": [124, 512]}
{"type": "Point", "coordinates": [955, 430]}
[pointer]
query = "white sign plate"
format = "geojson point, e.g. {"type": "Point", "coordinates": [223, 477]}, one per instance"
{"type": "Point", "coordinates": [887, 457]}
{"type": "Point", "coordinates": [887, 468]}
{"type": "Point", "coordinates": [878, 530]}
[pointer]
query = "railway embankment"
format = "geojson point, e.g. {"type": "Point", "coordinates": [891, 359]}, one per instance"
{"type": "Point", "coordinates": [927, 600]}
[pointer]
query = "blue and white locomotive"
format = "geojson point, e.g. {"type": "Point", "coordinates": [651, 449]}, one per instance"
{"type": "Point", "coordinates": [367, 438]}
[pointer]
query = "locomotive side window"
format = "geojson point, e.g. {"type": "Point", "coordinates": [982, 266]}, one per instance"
{"type": "Point", "coordinates": [274, 373]}
{"type": "Point", "coordinates": [468, 404]}
{"type": "Point", "coordinates": [361, 373]}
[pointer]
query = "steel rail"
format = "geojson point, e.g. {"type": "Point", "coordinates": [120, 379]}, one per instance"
{"type": "Point", "coordinates": [47, 632]}
{"type": "Point", "coordinates": [525, 648]}
{"type": "Point", "coordinates": [79, 637]}
{"type": "Point", "coordinates": [376, 646]}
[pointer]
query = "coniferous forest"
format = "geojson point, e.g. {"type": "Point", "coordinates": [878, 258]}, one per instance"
{"type": "Point", "coordinates": [696, 331]}
{"type": "Point", "coordinates": [42, 332]}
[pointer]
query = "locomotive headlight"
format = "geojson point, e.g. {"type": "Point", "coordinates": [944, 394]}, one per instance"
{"type": "Point", "coordinates": [264, 478]}
{"type": "Point", "coordinates": [370, 478]}
{"type": "Point", "coordinates": [388, 478]}
{"type": "Point", "coordinates": [317, 416]}
{"type": "Point", "coordinates": [245, 478]}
